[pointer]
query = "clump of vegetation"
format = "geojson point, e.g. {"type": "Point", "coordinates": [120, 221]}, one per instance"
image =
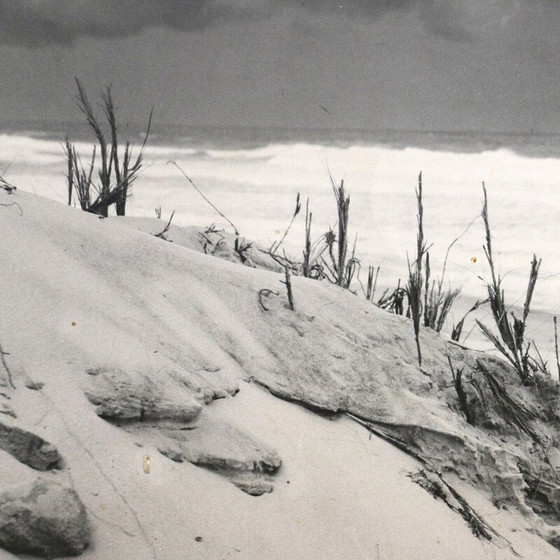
{"type": "Point", "coordinates": [511, 341]}
{"type": "Point", "coordinates": [118, 168]}
{"type": "Point", "coordinates": [327, 257]}
{"type": "Point", "coordinates": [429, 301]}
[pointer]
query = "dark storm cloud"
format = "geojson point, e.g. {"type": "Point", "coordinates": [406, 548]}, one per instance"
{"type": "Point", "coordinates": [36, 23]}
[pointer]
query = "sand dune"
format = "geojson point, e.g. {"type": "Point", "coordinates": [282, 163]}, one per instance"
{"type": "Point", "coordinates": [194, 423]}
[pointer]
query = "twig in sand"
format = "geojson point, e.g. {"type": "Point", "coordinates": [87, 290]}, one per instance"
{"type": "Point", "coordinates": [204, 196]}
{"type": "Point", "coordinates": [6, 367]}
{"type": "Point", "coordinates": [373, 274]}
{"type": "Point", "coordinates": [265, 292]}
{"type": "Point", "coordinates": [556, 345]}
{"type": "Point", "coordinates": [538, 361]}
{"type": "Point", "coordinates": [288, 284]}
{"type": "Point", "coordinates": [14, 204]}
{"type": "Point", "coordinates": [435, 485]}
{"type": "Point", "coordinates": [307, 247]}
{"type": "Point", "coordinates": [8, 187]}
{"type": "Point", "coordinates": [477, 524]}
{"type": "Point", "coordinates": [242, 248]}
{"type": "Point", "coordinates": [163, 233]}
{"type": "Point", "coordinates": [276, 245]}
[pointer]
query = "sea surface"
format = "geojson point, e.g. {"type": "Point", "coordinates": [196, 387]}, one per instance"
{"type": "Point", "coordinates": [254, 175]}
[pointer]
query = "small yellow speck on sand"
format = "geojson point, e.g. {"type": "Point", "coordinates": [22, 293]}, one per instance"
{"type": "Point", "coordinates": [147, 464]}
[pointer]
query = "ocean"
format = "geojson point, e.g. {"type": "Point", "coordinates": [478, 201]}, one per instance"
{"type": "Point", "coordinates": [253, 176]}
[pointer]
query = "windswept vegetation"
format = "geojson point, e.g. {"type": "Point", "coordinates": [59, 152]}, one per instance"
{"type": "Point", "coordinates": [98, 185]}
{"type": "Point", "coordinates": [510, 341]}
{"type": "Point", "coordinates": [415, 278]}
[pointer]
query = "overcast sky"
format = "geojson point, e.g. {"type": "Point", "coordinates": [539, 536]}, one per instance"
{"type": "Point", "coordinates": [483, 65]}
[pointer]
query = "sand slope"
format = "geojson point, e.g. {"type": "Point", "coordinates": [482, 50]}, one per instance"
{"type": "Point", "coordinates": [94, 306]}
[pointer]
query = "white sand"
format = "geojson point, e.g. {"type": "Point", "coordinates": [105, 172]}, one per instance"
{"type": "Point", "coordinates": [81, 293]}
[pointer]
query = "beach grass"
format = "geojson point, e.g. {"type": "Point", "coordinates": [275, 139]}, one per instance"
{"type": "Point", "coordinates": [510, 341]}
{"type": "Point", "coordinates": [415, 276]}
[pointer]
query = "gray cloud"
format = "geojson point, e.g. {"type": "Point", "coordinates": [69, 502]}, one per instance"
{"type": "Point", "coordinates": [371, 9]}
{"type": "Point", "coordinates": [32, 23]}
{"type": "Point", "coordinates": [462, 21]}
{"type": "Point", "coordinates": [454, 20]}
